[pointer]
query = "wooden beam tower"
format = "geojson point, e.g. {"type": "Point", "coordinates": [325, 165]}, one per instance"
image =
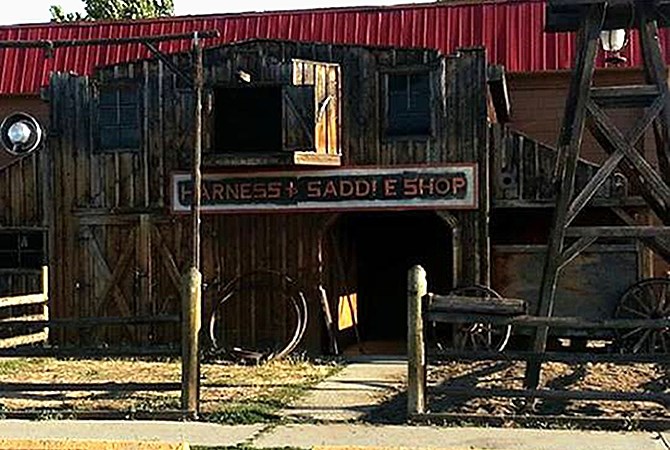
{"type": "Point", "coordinates": [586, 107]}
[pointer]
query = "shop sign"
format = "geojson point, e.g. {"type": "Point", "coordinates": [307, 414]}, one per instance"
{"type": "Point", "coordinates": [403, 188]}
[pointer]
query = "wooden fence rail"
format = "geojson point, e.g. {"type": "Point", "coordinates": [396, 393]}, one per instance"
{"type": "Point", "coordinates": [28, 336]}
{"type": "Point", "coordinates": [452, 309]}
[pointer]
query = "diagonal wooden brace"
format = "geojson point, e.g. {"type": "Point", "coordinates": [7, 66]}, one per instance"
{"type": "Point", "coordinates": [610, 135]}
{"type": "Point", "coordinates": [632, 137]}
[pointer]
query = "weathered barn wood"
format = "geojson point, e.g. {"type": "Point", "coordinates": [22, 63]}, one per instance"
{"type": "Point", "coordinates": [22, 223]}
{"type": "Point", "coordinates": [524, 172]}
{"type": "Point", "coordinates": [120, 251]}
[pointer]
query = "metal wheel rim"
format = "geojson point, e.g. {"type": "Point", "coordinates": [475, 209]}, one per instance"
{"type": "Point", "coordinates": [477, 336]}
{"type": "Point", "coordinates": [647, 299]}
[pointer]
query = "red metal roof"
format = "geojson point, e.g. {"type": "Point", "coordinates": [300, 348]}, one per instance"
{"type": "Point", "coordinates": [512, 32]}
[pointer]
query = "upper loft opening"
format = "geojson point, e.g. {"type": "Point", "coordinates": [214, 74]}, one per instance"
{"type": "Point", "coordinates": [289, 115]}
{"type": "Point", "coordinates": [248, 119]}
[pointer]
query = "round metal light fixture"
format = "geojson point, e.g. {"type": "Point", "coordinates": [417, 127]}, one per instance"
{"type": "Point", "coordinates": [613, 41]}
{"type": "Point", "coordinates": [20, 134]}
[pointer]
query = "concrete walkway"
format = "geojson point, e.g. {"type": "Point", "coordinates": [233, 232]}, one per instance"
{"type": "Point", "coordinates": [426, 437]}
{"type": "Point", "coordinates": [328, 435]}
{"type": "Point", "coordinates": [194, 433]}
{"type": "Point", "coordinates": [355, 393]}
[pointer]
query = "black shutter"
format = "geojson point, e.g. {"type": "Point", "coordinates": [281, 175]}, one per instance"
{"type": "Point", "coordinates": [299, 117]}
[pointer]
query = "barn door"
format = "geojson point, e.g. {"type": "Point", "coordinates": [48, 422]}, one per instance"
{"type": "Point", "coordinates": [128, 270]}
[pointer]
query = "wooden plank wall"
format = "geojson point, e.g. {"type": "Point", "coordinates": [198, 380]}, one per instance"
{"type": "Point", "coordinates": [523, 171]}
{"type": "Point", "coordinates": [21, 203]}
{"type": "Point", "coordinates": [22, 207]}
{"type": "Point", "coordinates": [467, 140]}
{"type": "Point", "coordinates": [100, 199]}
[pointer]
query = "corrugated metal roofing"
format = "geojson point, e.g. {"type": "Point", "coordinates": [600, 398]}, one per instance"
{"type": "Point", "coordinates": [512, 32]}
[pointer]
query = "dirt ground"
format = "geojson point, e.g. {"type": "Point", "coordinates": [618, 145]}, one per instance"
{"type": "Point", "coordinates": [651, 378]}
{"type": "Point", "coordinates": [224, 387]}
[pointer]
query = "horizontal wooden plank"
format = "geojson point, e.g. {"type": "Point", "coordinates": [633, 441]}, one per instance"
{"type": "Point", "coordinates": [470, 392]}
{"type": "Point", "coordinates": [566, 15]}
{"type": "Point", "coordinates": [32, 299]}
{"type": "Point", "coordinates": [535, 248]}
{"type": "Point", "coordinates": [316, 159]}
{"type": "Point", "coordinates": [554, 322]}
{"type": "Point", "coordinates": [637, 96]}
{"type": "Point", "coordinates": [86, 386]}
{"type": "Point", "coordinates": [534, 420]}
{"type": "Point", "coordinates": [636, 231]}
{"type": "Point", "coordinates": [93, 218]}
{"type": "Point", "coordinates": [100, 414]}
{"type": "Point", "coordinates": [459, 303]}
{"type": "Point", "coordinates": [84, 352]}
{"type": "Point", "coordinates": [442, 357]}
{"type": "Point", "coordinates": [27, 339]}
{"type": "Point", "coordinates": [30, 319]}
{"type": "Point", "coordinates": [14, 229]}
{"type": "Point", "coordinates": [20, 271]}
{"type": "Point", "coordinates": [596, 203]}
{"type": "Point", "coordinates": [92, 321]}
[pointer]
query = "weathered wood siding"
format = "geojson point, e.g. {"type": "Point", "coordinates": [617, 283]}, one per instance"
{"type": "Point", "coordinates": [22, 208]}
{"type": "Point", "coordinates": [523, 171]}
{"type": "Point", "coordinates": [118, 251]}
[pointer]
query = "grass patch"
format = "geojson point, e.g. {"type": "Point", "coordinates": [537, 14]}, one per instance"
{"type": "Point", "coordinates": [230, 394]}
{"type": "Point", "coordinates": [12, 365]}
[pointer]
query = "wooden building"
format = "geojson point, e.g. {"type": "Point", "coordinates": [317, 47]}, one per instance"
{"type": "Point", "coordinates": [122, 244]}
{"type": "Point", "coordinates": [104, 202]}
{"type": "Point", "coordinates": [112, 186]}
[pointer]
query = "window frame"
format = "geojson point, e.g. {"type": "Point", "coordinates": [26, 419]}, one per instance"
{"type": "Point", "coordinates": [385, 123]}
{"type": "Point", "coordinates": [117, 85]}
{"type": "Point", "coordinates": [24, 255]}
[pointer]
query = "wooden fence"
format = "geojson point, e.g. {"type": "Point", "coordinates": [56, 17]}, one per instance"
{"type": "Point", "coordinates": [424, 307]}
{"type": "Point", "coordinates": [25, 317]}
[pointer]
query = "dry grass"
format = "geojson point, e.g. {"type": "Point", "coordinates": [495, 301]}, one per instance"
{"type": "Point", "coordinates": [229, 393]}
{"type": "Point", "coordinates": [557, 376]}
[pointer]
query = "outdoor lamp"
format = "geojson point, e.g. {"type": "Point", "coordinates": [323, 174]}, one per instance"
{"type": "Point", "coordinates": [20, 134]}
{"type": "Point", "coordinates": [613, 41]}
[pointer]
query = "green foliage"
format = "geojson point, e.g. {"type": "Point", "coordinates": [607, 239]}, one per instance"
{"type": "Point", "coordinates": [244, 413]}
{"type": "Point", "coordinates": [115, 10]}
{"type": "Point", "coordinates": [11, 366]}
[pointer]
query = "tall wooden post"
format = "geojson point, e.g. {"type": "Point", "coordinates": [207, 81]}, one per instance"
{"type": "Point", "coordinates": [192, 292]}
{"type": "Point", "coordinates": [569, 143]}
{"type": "Point", "coordinates": [417, 288]}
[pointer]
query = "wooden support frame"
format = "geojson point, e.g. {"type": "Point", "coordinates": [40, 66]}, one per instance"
{"type": "Point", "coordinates": [585, 105]}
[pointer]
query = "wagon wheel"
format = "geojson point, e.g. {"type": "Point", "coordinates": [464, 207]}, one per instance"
{"type": "Point", "coordinates": [647, 299]}
{"type": "Point", "coordinates": [480, 336]}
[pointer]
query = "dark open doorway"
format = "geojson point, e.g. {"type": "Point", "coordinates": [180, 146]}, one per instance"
{"type": "Point", "coordinates": [369, 256]}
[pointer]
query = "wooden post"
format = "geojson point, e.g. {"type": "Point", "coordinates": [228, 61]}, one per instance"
{"type": "Point", "coordinates": [190, 373]}
{"type": "Point", "coordinates": [143, 250]}
{"type": "Point", "coordinates": [569, 142]}
{"type": "Point", "coordinates": [45, 293]}
{"type": "Point", "coordinates": [192, 283]}
{"type": "Point", "coordinates": [417, 287]}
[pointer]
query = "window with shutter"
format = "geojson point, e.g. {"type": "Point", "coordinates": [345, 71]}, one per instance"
{"type": "Point", "coordinates": [408, 105]}
{"type": "Point", "coordinates": [118, 124]}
